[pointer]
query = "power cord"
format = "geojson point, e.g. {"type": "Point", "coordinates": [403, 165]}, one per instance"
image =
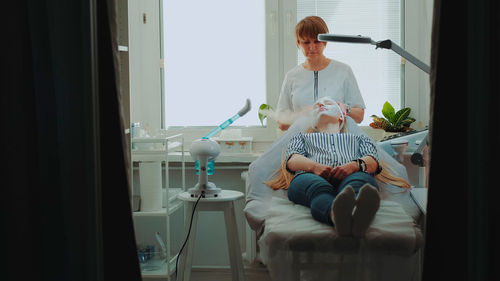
{"type": "Point", "coordinates": [187, 236]}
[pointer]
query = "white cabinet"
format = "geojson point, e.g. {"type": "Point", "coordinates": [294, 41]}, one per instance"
{"type": "Point", "coordinates": [154, 225]}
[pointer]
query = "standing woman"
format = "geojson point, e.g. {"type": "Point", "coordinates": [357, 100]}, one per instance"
{"type": "Point", "coordinates": [317, 77]}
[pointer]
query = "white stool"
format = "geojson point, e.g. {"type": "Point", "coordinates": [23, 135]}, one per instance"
{"type": "Point", "coordinates": [224, 202]}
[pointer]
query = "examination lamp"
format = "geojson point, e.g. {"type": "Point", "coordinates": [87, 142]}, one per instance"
{"type": "Point", "coordinates": [204, 151]}
{"type": "Point", "coordinates": [385, 44]}
{"type": "Point", "coordinates": [417, 157]}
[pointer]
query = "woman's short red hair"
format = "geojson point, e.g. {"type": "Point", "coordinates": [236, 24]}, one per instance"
{"type": "Point", "coordinates": [310, 27]}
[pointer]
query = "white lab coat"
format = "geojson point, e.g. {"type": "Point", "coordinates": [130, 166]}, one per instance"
{"type": "Point", "coordinates": [336, 80]}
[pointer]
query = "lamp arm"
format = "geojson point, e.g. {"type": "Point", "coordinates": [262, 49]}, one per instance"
{"type": "Point", "coordinates": [388, 44]}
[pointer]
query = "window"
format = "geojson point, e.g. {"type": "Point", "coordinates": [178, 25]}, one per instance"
{"type": "Point", "coordinates": [214, 59]}
{"type": "Point", "coordinates": [218, 53]}
{"type": "Point", "coordinates": [378, 72]}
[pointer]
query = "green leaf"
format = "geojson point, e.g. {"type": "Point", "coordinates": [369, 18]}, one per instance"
{"type": "Point", "coordinates": [379, 122]}
{"type": "Point", "coordinates": [408, 121]}
{"type": "Point", "coordinates": [389, 112]}
{"type": "Point", "coordinates": [263, 116]}
{"type": "Point", "coordinates": [392, 129]}
{"type": "Point", "coordinates": [393, 122]}
{"type": "Point", "coordinates": [401, 115]}
{"type": "Point", "coordinates": [378, 119]}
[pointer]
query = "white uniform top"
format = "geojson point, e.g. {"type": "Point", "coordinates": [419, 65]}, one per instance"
{"type": "Point", "coordinates": [336, 80]}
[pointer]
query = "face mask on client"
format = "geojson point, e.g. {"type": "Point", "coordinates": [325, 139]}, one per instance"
{"type": "Point", "coordinates": [332, 109]}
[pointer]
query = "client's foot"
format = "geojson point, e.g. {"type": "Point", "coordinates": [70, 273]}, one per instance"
{"type": "Point", "coordinates": [341, 212]}
{"type": "Point", "coordinates": [367, 204]}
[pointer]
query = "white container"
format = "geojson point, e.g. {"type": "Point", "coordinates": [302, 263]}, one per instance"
{"type": "Point", "coordinates": [242, 145]}
{"type": "Point", "coordinates": [399, 146]}
{"type": "Point", "coordinates": [150, 186]}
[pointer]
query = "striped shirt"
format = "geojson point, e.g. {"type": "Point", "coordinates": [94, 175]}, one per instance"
{"type": "Point", "coordinates": [331, 149]}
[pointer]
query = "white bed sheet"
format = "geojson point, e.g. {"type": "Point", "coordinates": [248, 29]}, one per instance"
{"type": "Point", "coordinates": [296, 247]}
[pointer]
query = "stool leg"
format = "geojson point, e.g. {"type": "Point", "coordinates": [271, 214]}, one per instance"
{"type": "Point", "coordinates": [186, 263]}
{"type": "Point", "coordinates": [235, 257]}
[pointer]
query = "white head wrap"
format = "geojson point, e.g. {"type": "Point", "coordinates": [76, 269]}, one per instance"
{"type": "Point", "coordinates": [331, 110]}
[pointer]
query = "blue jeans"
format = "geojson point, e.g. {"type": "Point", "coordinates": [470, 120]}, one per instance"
{"type": "Point", "coordinates": [317, 193]}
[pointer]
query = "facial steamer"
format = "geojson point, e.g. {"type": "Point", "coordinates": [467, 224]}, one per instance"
{"type": "Point", "coordinates": [204, 151]}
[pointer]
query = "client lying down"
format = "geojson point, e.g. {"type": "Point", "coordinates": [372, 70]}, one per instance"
{"type": "Point", "coordinates": [333, 172]}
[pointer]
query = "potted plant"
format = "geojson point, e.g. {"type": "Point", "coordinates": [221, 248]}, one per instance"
{"type": "Point", "coordinates": [264, 110]}
{"type": "Point", "coordinates": [394, 121]}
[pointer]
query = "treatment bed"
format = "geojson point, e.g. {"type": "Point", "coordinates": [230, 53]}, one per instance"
{"type": "Point", "coordinates": [294, 246]}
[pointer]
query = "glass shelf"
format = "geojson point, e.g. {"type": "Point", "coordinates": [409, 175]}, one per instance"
{"type": "Point", "coordinates": [173, 205]}
{"type": "Point", "coordinates": [159, 150]}
{"type": "Point", "coordinates": [157, 268]}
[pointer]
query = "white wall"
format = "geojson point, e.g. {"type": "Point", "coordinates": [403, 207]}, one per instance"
{"type": "Point", "coordinates": [418, 17]}
{"type": "Point", "coordinates": [144, 57]}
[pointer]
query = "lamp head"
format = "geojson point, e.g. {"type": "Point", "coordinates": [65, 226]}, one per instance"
{"type": "Point", "coordinates": [245, 109]}
{"type": "Point", "coordinates": [204, 148]}
{"type": "Point", "coordinates": [345, 38]}
{"type": "Point", "coordinates": [203, 151]}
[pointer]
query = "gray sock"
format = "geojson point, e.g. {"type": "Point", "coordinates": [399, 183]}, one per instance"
{"type": "Point", "coordinates": [367, 205]}
{"type": "Point", "coordinates": [341, 212]}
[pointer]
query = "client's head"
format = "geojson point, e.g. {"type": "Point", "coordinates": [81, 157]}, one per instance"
{"type": "Point", "coordinates": [326, 113]}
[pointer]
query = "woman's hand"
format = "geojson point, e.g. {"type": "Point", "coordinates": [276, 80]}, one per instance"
{"type": "Point", "coordinates": [341, 172]}
{"type": "Point", "coordinates": [357, 114]}
{"type": "Point", "coordinates": [343, 107]}
{"type": "Point", "coordinates": [323, 171]}
{"type": "Point", "coordinates": [299, 162]}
